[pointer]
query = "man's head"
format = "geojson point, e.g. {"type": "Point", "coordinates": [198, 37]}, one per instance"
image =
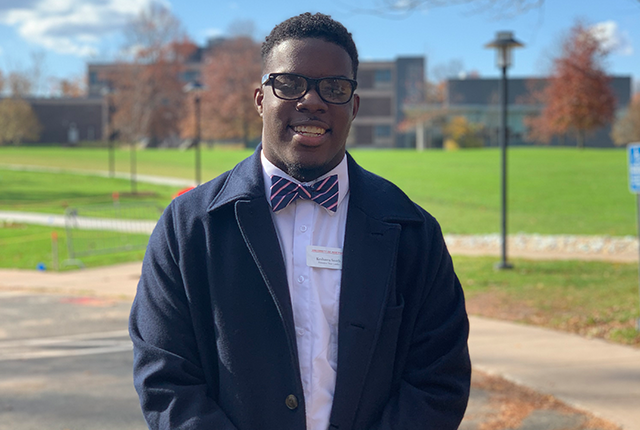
{"type": "Point", "coordinates": [305, 133]}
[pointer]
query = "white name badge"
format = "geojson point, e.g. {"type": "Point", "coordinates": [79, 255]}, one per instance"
{"type": "Point", "coordinates": [324, 257]}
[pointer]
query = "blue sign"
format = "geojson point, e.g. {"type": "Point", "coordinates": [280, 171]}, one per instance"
{"type": "Point", "coordinates": [634, 167]}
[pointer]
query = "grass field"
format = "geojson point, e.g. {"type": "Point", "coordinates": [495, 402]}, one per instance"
{"type": "Point", "coordinates": [596, 299]}
{"type": "Point", "coordinates": [54, 192]}
{"type": "Point", "coordinates": [551, 190]}
{"type": "Point", "coordinates": [24, 246]}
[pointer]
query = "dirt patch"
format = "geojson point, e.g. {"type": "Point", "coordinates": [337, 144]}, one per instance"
{"type": "Point", "coordinates": [512, 405]}
{"type": "Point", "coordinates": [499, 305]}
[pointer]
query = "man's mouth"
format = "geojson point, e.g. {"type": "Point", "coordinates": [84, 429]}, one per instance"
{"type": "Point", "coordinates": [309, 130]}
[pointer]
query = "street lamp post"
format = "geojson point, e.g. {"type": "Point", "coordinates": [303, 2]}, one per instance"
{"type": "Point", "coordinates": [107, 129]}
{"type": "Point", "coordinates": [503, 44]}
{"type": "Point", "coordinates": [195, 87]}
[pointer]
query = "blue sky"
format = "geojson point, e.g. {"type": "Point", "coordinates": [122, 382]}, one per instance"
{"type": "Point", "coordinates": [68, 33]}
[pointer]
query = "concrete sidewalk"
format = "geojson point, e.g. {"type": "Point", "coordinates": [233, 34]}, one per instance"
{"type": "Point", "coordinates": [590, 374]}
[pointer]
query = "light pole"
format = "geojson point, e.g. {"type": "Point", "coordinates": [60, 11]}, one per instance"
{"type": "Point", "coordinates": [503, 44]}
{"type": "Point", "coordinates": [107, 129]}
{"type": "Point", "coordinates": [196, 87]}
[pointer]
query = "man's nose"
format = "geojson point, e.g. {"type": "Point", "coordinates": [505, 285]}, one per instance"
{"type": "Point", "coordinates": [312, 102]}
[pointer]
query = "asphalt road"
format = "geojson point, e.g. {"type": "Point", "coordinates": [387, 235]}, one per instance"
{"type": "Point", "coordinates": [65, 364]}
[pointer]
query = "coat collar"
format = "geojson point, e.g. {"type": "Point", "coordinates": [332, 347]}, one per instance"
{"type": "Point", "coordinates": [245, 182]}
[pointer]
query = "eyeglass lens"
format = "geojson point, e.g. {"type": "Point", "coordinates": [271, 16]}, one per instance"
{"type": "Point", "coordinates": [332, 90]}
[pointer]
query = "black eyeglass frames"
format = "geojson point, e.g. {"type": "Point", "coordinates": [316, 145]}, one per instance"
{"type": "Point", "coordinates": [290, 86]}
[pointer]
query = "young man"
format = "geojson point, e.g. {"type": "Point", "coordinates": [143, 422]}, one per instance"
{"type": "Point", "coordinates": [299, 291]}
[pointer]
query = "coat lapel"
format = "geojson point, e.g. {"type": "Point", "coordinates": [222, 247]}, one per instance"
{"type": "Point", "coordinates": [364, 294]}
{"type": "Point", "coordinates": [244, 188]}
{"type": "Point", "coordinates": [370, 249]}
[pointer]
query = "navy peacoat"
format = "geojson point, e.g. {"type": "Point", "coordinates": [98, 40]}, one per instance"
{"type": "Point", "coordinates": [212, 323]}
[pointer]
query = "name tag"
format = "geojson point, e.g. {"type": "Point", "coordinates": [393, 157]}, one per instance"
{"type": "Point", "coordinates": [324, 257]}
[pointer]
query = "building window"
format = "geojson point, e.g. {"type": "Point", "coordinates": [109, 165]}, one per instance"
{"type": "Point", "coordinates": [190, 76]}
{"type": "Point", "coordinates": [93, 78]}
{"type": "Point", "coordinates": [383, 76]}
{"type": "Point", "coordinates": [382, 131]}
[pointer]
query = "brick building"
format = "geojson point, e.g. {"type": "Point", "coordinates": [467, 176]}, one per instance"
{"type": "Point", "coordinates": [68, 121]}
{"type": "Point", "coordinates": [478, 100]}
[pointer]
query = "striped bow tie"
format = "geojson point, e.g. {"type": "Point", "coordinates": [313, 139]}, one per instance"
{"type": "Point", "coordinates": [324, 192]}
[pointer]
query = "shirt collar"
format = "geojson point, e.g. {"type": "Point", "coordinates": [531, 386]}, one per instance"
{"type": "Point", "coordinates": [269, 169]}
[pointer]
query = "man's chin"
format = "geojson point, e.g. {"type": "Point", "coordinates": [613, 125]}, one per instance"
{"type": "Point", "coordinates": [306, 173]}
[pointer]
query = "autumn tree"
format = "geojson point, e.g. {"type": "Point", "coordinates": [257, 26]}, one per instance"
{"type": "Point", "coordinates": [18, 122]}
{"type": "Point", "coordinates": [460, 133]}
{"type": "Point", "coordinates": [578, 98]}
{"type": "Point", "coordinates": [230, 75]}
{"type": "Point", "coordinates": [627, 128]}
{"type": "Point", "coordinates": [19, 85]}
{"type": "Point", "coordinates": [71, 87]}
{"type": "Point", "coordinates": [147, 92]}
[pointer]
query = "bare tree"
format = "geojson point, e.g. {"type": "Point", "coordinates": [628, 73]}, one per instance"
{"type": "Point", "coordinates": [451, 69]}
{"type": "Point", "coordinates": [20, 85]}
{"type": "Point", "coordinates": [242, 28]}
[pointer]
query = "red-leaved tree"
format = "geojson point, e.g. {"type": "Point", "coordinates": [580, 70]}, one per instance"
{"type": "Point", "coordinates": [147, 91]}
{"type": "Point", "coordinates": [230, 74]}
{"type": "Point", "coordinates": [578, 98]}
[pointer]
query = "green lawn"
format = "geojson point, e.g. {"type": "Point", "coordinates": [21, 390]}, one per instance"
{"type": "Point", "coordinates": [596, 299]}
{"type": "Point", "coordinates": [24, 246]}
{"type": "Point", "coordinates": [54, 192]}
{"type": "Point", "coordinates": [551, 190]}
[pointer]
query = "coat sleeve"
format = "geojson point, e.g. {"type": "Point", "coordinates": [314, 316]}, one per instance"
{"type": "Point", "coordinates": [435, 380]}
{"type": "Point", "coordinates": [168, 373]}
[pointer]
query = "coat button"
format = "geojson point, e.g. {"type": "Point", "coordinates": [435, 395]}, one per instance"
{"type": "Point", "coordinates": [291, 402]}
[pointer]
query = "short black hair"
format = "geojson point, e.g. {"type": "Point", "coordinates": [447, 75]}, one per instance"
{"type": "Point", "coordinates": [308, 26]}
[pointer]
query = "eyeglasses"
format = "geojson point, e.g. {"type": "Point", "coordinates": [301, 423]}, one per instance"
{"type": "Point", "coordinates": [290, 86]}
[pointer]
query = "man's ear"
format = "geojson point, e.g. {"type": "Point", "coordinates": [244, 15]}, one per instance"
{"type": "Point", "coordinates": [356, 105]}
{"type": "Point", "coordinates": [258, 98]}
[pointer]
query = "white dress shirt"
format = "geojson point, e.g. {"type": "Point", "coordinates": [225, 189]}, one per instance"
{"type": "Point", "coordinates": [315, 292]}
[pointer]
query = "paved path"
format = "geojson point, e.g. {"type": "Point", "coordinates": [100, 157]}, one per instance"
{"type": "Point", "coordinates": [80, 222]}
{"type": "Point", "coordinates": [600, 377]}
{"type": "Point", "coordinates": [529, 246]}
{"type": "Point", "coordinates": [149, 179]}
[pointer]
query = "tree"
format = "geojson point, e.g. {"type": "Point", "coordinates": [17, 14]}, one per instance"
{"type": "Point", "coordinates": [147, 92]}
{"type": "Point", "coordinates": [230, 75]}
{"type": "Point", "coordinates": [72, 88]}
{"type": "Point", "coordinates": [578, 98]}
{"type": "Point", "coordinates": [18, 122]}
{"type": "Point", "coordinates": [460, 133]}
{"type": "Point", "coordinates": [20, 85]}
{"type": "Point", "coordinates": [627, 128]}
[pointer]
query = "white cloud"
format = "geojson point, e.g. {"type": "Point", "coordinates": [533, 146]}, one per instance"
{"type": "Point", "coordinates": [212, 32]}
{"type": "Point", "coordinates": [611, 38]}
{"type": "Point", "coordinates": [69, 26]}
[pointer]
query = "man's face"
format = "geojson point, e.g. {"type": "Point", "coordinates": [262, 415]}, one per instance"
{"type": "Point", "coordinates": [306, 137]}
